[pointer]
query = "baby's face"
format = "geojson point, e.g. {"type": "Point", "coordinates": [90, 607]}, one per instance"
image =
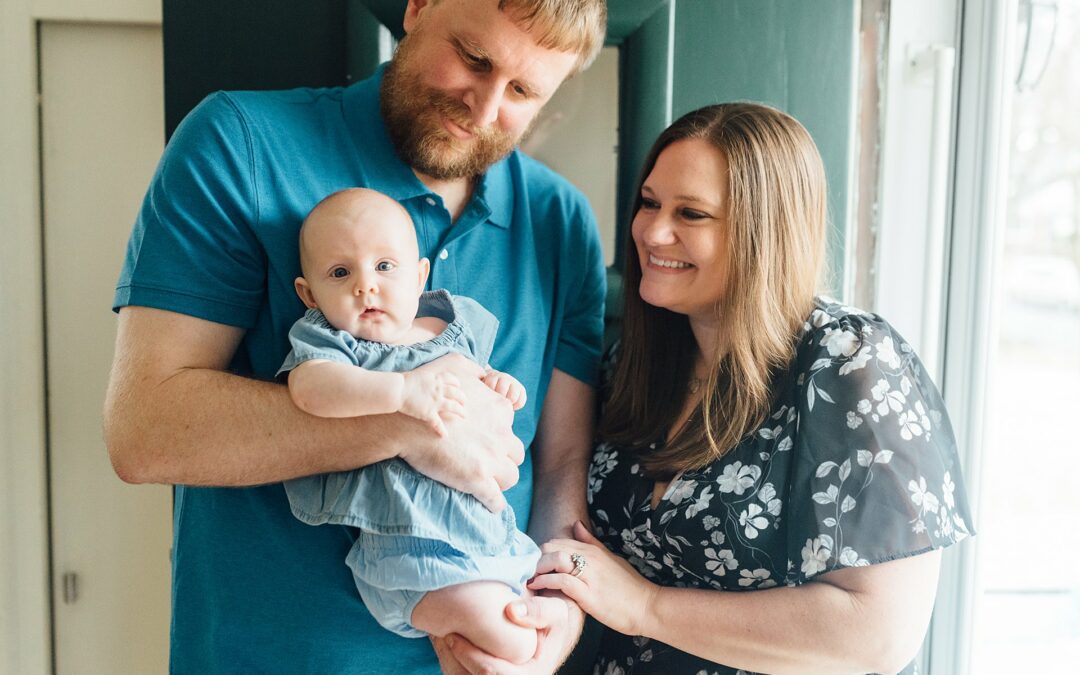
{"type": "Point", "coordinates": [361, 267]}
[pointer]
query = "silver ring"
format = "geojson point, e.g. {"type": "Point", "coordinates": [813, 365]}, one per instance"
{"type": "Point", "coordinates": [579, 564]}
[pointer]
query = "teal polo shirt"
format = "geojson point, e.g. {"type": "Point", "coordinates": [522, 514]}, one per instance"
{"type": "Point", "coordinates": [254, 589]}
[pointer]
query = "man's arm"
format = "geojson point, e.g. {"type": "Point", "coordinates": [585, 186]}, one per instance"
{"type": "Point", "coordinates": [561, 453]}
{"type": "Point", "coordinates": [173, 415]}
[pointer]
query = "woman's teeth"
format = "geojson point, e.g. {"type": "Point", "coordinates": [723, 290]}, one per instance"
{"type": "Point", "coordinates": [672, 264]}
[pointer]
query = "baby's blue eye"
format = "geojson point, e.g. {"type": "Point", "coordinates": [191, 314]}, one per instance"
{"type": "Point", "coordinates": [339, 272]}
{"type": "Point", "coordinates": [384, 266]}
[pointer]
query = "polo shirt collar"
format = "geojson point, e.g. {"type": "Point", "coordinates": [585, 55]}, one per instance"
{"type": "Point", "coordinates": [392, 176]}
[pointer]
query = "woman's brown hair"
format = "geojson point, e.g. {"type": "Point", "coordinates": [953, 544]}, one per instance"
{"type": "Point", "coordinates": [776, 210]}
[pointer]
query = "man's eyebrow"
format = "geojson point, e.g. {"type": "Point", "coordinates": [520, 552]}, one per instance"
{"type": "Point", "coordinates": [474, 48]}
{"type": "Point", "coordinates": [462, 43]}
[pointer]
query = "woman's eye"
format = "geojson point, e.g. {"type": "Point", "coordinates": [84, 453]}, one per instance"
{"type": "Point", "coordinates": [691, 214]}
{"type": "Point", "coordinates": [339, 272]}
{"type": "Point", "coordinates": [650, 204]}
{"type": "Point", "coordinates": [384, 266]}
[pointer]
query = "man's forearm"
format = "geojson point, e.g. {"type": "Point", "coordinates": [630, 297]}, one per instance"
{"type": "Point", "coordinates": [208, 427]}
{"type": "Point", "coordinates": [561, 458]}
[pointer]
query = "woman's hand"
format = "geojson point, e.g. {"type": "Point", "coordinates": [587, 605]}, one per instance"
{"type": "Point", "coordinates": [608, 587]}
{"type": "Point", "coordinates": [558, 624]}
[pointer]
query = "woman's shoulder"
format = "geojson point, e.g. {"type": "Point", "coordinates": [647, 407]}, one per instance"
{"type": "Point", "coordinates": [840, 335]}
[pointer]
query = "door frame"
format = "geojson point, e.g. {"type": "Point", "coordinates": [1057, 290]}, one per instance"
{"type": "Point", "coordinates": [25, 576]}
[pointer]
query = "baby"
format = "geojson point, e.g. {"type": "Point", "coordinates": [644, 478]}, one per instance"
{"type": "Point", "coordinates": [427, 559]}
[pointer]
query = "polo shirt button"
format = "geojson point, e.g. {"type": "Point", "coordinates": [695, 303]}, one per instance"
{"type": "Point", "coordinates": [444, 254]}
{"type": "Point", "coordinates": [430, 201]}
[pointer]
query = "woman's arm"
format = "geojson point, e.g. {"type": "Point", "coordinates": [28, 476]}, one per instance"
{"type": "Point", "coordinates": [858, 620]}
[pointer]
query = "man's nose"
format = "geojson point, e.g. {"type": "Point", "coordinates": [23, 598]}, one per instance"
{"type": "Point", "coordinates": [483, 101]}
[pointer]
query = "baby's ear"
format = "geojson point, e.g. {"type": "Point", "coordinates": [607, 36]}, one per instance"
{"type": "Point", "coordinates": [304, 291]}
{"type": "Point", "coordinates": [424, 268]}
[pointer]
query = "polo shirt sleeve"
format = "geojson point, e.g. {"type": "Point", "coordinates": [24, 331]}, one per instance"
{"type": "Point", "coordinates": [193, 249]}
{"type": "Point", "coordinates": [582, 335]}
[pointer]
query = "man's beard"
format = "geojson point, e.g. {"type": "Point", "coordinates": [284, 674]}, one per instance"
{"type": "Point", "coordinates": [414, 113]}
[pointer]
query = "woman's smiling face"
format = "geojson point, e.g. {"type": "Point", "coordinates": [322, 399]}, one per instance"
{"type": "Point", "coordinates": [681, 230]}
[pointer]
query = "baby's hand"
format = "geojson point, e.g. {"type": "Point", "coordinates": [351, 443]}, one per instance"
{"type": "Point", "coordinates": [505, 384]}
{"type": "Point", "coordinates": [432, 397]}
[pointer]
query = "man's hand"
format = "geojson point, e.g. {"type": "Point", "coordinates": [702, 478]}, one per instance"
{"type": "Point", "coordinates": [432, 397]}
{"type": "Point", "coordinates": [558, 623]}
{"type": "Point", "coordinates": [480, 453]}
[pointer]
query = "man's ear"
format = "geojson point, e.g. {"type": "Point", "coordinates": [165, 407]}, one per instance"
{"type": "Point", "coordinates": [413, 11]}
{"type": "Point", "coordinates": [304, 291]}
{"type": "Point", "coordinates": [424, 270]}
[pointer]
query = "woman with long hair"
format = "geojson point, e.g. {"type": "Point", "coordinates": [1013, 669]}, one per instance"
{"type": "Point", "coordinates": [776, 473]}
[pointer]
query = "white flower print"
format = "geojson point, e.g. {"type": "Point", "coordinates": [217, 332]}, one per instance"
{"type": "Point", "coordinates": [614, 668]}
{"type": "Point", "coordinates": [718, 537]}
{"type": "Point", "coordinates": [840, 342]}
{"type": "Point", "coordinates": [701, 503]}
{"type": "Point", "coordinates": [710, 522]}
{"type": "Point", "coordinates": [767, 495]}
{"type": "Point", "coordinates": [920, 497]}
{"type": "Point", "coordinates": [737, 478]}
{"type": "Point", "coordinates": [909, 425]}
{"type": "Point", "coordinates": [853, 420]}
{"type": "Point", "coordinates": [863, 406]}
{"type": "Point", "coordinates": [850, 558]}
{"type": "Point", "coordinates": [815, 554]}
{"type": "Point", "coordinates": [683, 489]}
{"type": "Point", "coordinates": [858, 362]}
{"type": "Point", "coordinates": [887, 398]}
{"type": "Point", "coordinates": [947, 489]}
{"type": "Point", "coordinates": [720, 563]}
{"type": "Point", "coordinates": [886, 353]}
{"type": "Point", "coordinates": [752, 521]}
{"type": "Point", "coordinates": [759, 577]}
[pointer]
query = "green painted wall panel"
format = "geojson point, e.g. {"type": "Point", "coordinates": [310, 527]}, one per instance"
{"type": "Point", "coordinates": [792, 54]}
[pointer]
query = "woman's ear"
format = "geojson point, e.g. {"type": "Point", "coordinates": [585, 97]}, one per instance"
{"type": "Point", "coordinates": [304, 291]}
{"type": "Point", "coordinates": [424, 268]}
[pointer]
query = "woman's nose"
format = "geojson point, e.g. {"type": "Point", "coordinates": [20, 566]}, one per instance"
{"type": "Point", "coordinates": [658, 232]}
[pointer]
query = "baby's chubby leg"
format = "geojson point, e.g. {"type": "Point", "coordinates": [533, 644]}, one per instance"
{"type": "Point", "coordinates": [476, 610]}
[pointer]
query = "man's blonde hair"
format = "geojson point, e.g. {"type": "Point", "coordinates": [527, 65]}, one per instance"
{"type": "Point", "coordinates": [576, 26]}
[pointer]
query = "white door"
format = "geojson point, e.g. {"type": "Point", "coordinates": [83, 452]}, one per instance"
{"type": "Point", "coordinates": [102, 133]}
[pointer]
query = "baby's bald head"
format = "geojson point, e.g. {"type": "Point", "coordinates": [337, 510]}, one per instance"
{"type": "Point", "coordinates": [356, 214]}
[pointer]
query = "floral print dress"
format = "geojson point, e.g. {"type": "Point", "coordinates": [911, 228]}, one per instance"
{"type": "Point", "coordinates": [856, 464]}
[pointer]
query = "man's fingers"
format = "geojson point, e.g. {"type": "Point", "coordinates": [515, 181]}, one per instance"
{"type": "Point", "coordinates": [506, 475]}
{"type": "Point", "coordinates": [537, 612]}
{"type": "Point", "coordinates": [492, 497]}
{"type": "Point", "coordinates": [515, 451]}
{"type": "Point", "coordinates": [448, 663]}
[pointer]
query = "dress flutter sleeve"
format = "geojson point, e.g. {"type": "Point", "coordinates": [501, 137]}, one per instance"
{"type": "Point", "coordinates": [875, 473]}
{"type": "Point", "coordinates": [312, 337]}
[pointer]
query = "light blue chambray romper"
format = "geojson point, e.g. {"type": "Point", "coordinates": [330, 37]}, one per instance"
{"type": "Point", "coordinates": [416, 535]}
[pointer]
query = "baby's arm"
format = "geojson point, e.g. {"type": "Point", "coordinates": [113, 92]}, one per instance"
{"type": "Point", "coordinates": [508, 386]}
{"type": "Point", "coordinates": [333, 389]}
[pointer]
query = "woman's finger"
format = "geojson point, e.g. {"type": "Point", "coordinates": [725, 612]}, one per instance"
{"type": "Point", "coordinates": [573, 587]}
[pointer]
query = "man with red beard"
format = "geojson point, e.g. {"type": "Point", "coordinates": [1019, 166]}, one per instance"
{"type": "Point", "coordinates": [205, 301]}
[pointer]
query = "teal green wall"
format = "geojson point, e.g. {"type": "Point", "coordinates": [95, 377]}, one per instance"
{"type": "Point", "coordinates": [796, 55]}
